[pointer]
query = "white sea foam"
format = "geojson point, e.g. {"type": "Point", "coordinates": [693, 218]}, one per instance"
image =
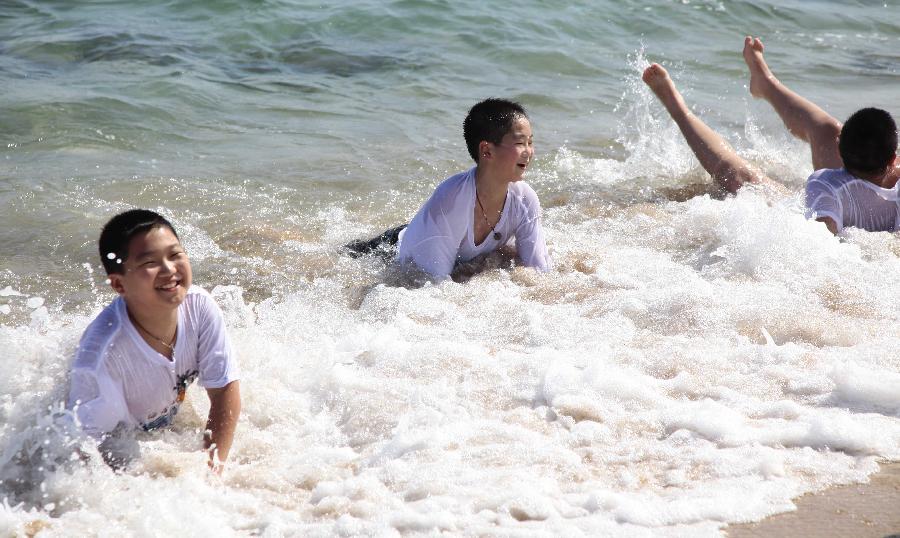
{"type": "Point", "coordinates": [9, 292]}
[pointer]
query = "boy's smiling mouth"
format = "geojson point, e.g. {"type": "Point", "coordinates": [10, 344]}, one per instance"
{"type": "Point", "coordinates": [170, 286]}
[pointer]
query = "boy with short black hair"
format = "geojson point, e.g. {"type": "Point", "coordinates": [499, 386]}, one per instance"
{"type": "Point", "coordinates": [862, 192]}
{"type": "Point", "coordinates": [137, 358]}
{"type": "Point", "coordinates": [482, 209]}
{"type": "Point", "coordinates": [868, 142]}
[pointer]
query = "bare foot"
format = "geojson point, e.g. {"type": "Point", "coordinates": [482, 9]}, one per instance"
{"type": "Point", "coordinates": [761, 77]}
{"type": "Point", "coordinates": [657, 78]}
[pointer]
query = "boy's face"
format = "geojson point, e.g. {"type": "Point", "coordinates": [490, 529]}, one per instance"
{"type": "Point", "coordinates": [513, 154]}
{"type": "Point", "coordinates": [157, 273]}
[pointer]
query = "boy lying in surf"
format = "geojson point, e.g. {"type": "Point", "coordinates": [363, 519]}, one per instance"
{"type": "Point", "coordinates": [855, 182]}
{"type": "Point", "coordinates": [482, 209]}
{"type": "Point", "coordinates": [137, 358]}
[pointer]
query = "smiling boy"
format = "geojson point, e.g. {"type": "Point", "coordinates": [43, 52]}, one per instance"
{"type": "Point", "coordinates": [478, 211]}
{"type": "Point", "coordinates": [137, 358]}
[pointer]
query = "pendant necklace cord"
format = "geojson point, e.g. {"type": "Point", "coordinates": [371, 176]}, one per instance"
{"type": "Point", "coordinates": [169, 345]}
{"type": "Point", "coordinates": [497, 234]}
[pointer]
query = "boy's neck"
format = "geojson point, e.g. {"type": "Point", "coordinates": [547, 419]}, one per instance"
{"type": "Point", "coordinates": [160, 324]}
{"type": "Point", "coordinates": [890, 179]}
{"type": "Point", "coordinates": [886, 179]}
{"type": "Point", "coordinates": [491, 189]}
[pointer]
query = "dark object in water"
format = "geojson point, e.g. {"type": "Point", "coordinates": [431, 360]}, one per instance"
{"type": "Point", "coordinates": [385, 245]}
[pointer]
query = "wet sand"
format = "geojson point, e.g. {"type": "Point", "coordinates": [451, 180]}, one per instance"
{"type": "Point", "coordinates": [858, 510]}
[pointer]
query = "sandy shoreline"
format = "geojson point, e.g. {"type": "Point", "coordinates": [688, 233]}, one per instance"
{"type": "Point", "coordinates": [858, 510]}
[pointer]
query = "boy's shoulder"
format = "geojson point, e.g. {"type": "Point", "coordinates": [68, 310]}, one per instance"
{"type": "Point", "coordinates": [110, 322]}
{"type": "Point", "coordinates": [833, 177]}
{"type": "Point", "coordinates": [449, 192]}
{"type": "Point", "coordinates": [196, 293]}
{"type": "Point", "coordinates": [520, 188]}
{"type": "Point", "coordinates": [525, 196]}
{"type": "Point", "coordinates": [455, 183]}
{"type": "Point", "coordinates": [197, 303]}
{"type": "Point", "coordinates": [839, 180]}
{"type": "Point", "coordinates": [99, 334]}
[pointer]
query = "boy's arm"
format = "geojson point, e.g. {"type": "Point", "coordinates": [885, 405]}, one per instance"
{"type": "Point", "coordinates": [530, 244]}
{"type": "Point", "coordinates": [830, 223]}
{"type": "Point", "coordinates": [219, 376]}
{"type": "Point", "coordinates": [224, 410]}
{"type": "Point", "coordinates": [823, 204]}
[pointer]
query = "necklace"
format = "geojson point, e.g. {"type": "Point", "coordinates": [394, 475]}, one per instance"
{"type": "Point", "coordinates": [169, 345]}
{"type": "Point", "coordinates": [497, 234]}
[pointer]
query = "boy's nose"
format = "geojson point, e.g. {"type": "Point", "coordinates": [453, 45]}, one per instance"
{"type": "Point", "coordinates": [168, 266]}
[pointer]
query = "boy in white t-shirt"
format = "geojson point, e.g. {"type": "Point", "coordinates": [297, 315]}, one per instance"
{"type": "Point", "coordinates": [855, 183]}
{"type": "Point", "coordinates": [481, 210]}
{"type": "Point", "coordinates": [137, 358]}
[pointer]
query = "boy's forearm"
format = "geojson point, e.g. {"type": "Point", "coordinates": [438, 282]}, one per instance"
{"type": "Point", "coordinates": [224, 410]}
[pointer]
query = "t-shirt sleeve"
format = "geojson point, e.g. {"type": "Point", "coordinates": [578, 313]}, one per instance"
{"type": "Point", "coordinates": [432, 239]}
{"type": "Point", "coordinates": [530, 244]}
{"type": "Point", "coordinates": [215, 357]}
{"type": "Point", "coordinates": [97, 402]}
{"type": "Point", "coordinates": [822, 201]}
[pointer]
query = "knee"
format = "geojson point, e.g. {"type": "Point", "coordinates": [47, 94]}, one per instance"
{"type": "Point", "coordinates": [830, 130]}
{"type": "Point", "coordinates": [732, 175]}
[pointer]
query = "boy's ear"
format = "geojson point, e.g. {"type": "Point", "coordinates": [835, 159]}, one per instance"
{"type": "Point", "coordinates": [115, 282]}
{"type": "Point", "coordinates": [484, 149]}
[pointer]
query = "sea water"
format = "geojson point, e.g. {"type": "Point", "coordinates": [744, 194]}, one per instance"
{"type": "Point", "coordinates": [692, 360]}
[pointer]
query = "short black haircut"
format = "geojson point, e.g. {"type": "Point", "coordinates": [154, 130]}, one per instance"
{"type": "Point", "coordinates": [119, 231]}
{"type": "Point", "coordinates": [868, 141]}
{"type": "Point", "coordinates": [490, 120]}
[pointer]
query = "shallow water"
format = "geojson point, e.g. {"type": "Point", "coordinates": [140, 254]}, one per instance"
{"type": "Point", "coordinates": [692, 360]}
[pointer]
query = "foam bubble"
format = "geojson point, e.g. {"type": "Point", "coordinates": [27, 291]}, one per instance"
{"type": "Point", "coordinates": [9, 292]}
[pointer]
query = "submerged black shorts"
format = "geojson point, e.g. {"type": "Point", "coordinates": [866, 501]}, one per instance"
{"type": "Point", "coordinates": [384, 245]}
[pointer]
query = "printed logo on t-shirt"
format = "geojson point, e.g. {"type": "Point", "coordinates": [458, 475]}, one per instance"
{"type": "Point", "coordinates": [184, 381]}
{"type": "Point", "coordinates": [161, 420]}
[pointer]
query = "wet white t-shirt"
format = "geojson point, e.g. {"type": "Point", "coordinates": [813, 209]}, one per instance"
{"type": "Point", "coordinates": [117, 378]}
{"type": "Point", "coordinates": [850, 201]}
{"type": "Point", "coordinates": [442, 232]}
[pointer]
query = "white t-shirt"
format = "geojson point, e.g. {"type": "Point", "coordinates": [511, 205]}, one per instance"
{"type": "Point", "coordinates": [850, 201]}
{"type": "Point", "coordinates": [442, 232]}
{"type": "Point", "coordinates": [117, 378]}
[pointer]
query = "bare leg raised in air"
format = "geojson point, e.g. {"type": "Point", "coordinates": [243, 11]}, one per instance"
{"type": "Point", "coordinates": [803, 118]}
{"type": "Point", "coordinates": [713, 152]}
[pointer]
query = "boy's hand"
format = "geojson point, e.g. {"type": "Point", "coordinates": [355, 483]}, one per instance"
{"type": "Point", "coordinates": [215, 465]}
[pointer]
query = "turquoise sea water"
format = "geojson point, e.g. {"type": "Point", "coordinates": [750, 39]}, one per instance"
{"type": "Point", "coordinates": [104, 101]}
{"type": "Point", "coordinates": [635, 374]}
